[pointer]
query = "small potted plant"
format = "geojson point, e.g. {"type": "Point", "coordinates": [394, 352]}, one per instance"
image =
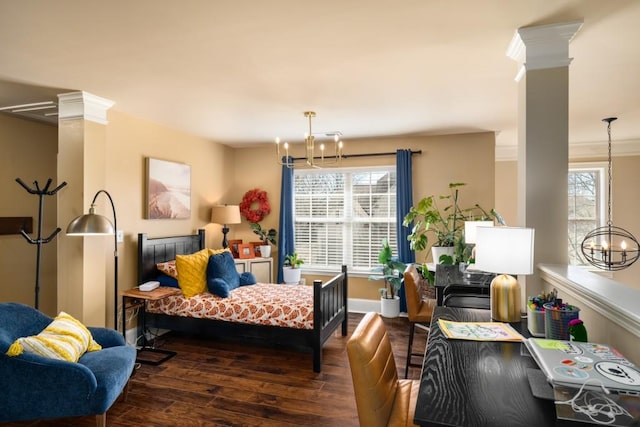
{"type": "Point", "coordinates": [266, 236]}
{"type": "Point", "coordinates": [392, 273]}
{"type": "Point", "coordinates": [291, 271]}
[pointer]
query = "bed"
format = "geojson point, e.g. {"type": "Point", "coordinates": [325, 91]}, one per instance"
{"type": "Point", "coordinates": [329, 304]}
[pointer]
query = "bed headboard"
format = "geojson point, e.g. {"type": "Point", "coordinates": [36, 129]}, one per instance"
{"type": "Point", "coordinates": [161, 249]}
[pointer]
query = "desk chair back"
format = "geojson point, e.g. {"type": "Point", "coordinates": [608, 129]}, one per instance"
{"type": "Point", "coordinates": [419, 310]}
{"type": "Point", "coordinates": [381, 398]}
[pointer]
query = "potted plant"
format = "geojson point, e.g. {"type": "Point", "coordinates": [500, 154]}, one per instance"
{"type": "Point", "coordinates": [266, 236]}
{"type": "Point", "coordinates": [291, 270]}
{"type": "Point", "coordinates": [392, 273]}
{"type": "Point", "coordinates": [446, 224]}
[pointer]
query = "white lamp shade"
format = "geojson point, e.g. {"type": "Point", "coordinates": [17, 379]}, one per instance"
{"type": "Point", "coordinates": [505, 250]}
{"type": "Point", "coordinates": [227, 214]}
{"type": "Point", "coordinates": [470, 230]}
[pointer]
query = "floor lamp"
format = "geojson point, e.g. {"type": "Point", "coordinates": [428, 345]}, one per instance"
{"type": "Point", "coordinates": [93, 224]}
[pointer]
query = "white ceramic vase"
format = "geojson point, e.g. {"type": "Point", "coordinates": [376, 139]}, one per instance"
{"type": "Point", "coordinates": [265, 251]}
{"type": "Point", "coordinates": [390, 307]}
{"type": "Point", "coordinates": [437, 251]}
{"type": "Point", "coordinates": [291, 276]}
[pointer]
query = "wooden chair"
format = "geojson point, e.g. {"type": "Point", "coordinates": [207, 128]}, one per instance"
{"type": "Point", "coordinates": [381, 398]}
{"type": "Point", "coordinates": [419, 310]}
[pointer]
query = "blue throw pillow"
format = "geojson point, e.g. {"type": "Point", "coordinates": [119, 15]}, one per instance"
{"type": "Point", "coordinates": [247, 278]}
{"type": "Point", "coordinates": [221, 266]}
{"type": "Point", "coordinates": [218, 287]}
{"type": "Point", "coordinates": [166, 280]}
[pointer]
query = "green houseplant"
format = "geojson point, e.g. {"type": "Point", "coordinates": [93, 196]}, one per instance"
{"type": "Point", "coordinates": [446, 224]}
{"type": "Point", "coordinates": [291, 271]}
{"type": "Point", "coordinates": [266, 237]}
{"type": "Point", "coordinates": [391, 271]}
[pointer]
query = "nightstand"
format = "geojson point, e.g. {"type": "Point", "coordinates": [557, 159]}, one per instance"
{"type": "Point", "coordinates": [133, 298]}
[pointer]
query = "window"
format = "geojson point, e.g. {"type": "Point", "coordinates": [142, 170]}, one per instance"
{"type": "Point", "coordinates": [341, 217]}
{"type": "Point", "coordinates": [587, 201]}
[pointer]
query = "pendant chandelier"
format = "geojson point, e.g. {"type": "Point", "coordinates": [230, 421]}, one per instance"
{"type": "Point", "coordinates": [609, 247]}
{"type": "Point", "coordinates": [311, 160]}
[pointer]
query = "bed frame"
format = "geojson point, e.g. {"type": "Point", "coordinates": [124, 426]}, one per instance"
{"type": "Point", "coordinates": [329, 303]}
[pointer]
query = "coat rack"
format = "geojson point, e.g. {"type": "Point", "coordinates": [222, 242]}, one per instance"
{"type": "Point", "coordinates": [39, 241]}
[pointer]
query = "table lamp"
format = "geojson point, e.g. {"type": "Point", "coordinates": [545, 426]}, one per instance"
{"type": "Point", "coordinates": [505, 251]}
{"type": "Point", "coordinates": [224, 215]}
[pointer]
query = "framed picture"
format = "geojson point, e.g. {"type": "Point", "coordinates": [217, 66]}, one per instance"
{"type": "Point", "coordinates": [256, 249]}
{"type": "Point", "coordinates": [245, 250]}
{"type": "Point", "coordinates": [168, 190]}
{"type": "Point", "coordinates": [233, 246]}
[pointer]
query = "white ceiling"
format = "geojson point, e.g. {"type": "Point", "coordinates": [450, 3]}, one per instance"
{"type": "Point", "coordinates": [242, 72]}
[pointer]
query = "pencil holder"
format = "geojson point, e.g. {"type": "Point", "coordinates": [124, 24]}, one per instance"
{"type": "Point", "coordinates": [535, 322]}
{"type": "Point", "coordinates": [556, 321]}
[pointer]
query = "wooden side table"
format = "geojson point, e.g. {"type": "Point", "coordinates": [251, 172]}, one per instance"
{"type": "Point", "coordinates": [133, 298]}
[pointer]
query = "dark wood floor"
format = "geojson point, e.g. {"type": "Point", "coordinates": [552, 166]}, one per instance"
{"type": "Point", "coordinates": [213, 383]}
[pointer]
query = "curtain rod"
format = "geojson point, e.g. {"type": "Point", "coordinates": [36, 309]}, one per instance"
{"type": "Point", "coordinates": [346, 156]}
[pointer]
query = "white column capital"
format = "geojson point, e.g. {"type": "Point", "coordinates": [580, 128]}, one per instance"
{"type": "Point", "coordinates": [542, 46]}
{"type": "Point", "coordinates": [83, 105]}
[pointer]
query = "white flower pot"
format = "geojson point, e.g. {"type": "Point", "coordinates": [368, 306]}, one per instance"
{"type": "Point", "coordinates": [265, 251]}
{"type": "Point", "coordinates": [291, 276]}
{"type": "Point", "coordinates": [390, 307]}
{"type": "Point", "coordinates": [437, 251]}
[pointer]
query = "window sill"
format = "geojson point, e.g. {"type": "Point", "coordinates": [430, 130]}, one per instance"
{"type": "Point", "coordinates": [614, 301]}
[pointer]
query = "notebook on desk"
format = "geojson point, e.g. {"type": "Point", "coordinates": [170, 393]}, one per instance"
{"type": "Point", "coordinates": [574, 364]}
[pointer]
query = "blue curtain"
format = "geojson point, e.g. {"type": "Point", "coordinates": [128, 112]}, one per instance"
{"type": "Point", "coordinates": [404, 201]}
{"type": "Point", "coordinates": [286, 242]}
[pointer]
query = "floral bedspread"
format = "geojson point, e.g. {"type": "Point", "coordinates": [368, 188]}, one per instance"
{"type": "Point", "coordinates": [288, 306]}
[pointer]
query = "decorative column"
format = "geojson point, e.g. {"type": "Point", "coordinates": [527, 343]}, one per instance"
{"type": "Point", "coordinates": [543, 139]}
{"type": "Point", "coordinates": [82, 261]}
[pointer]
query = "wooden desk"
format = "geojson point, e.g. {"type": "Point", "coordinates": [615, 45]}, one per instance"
{"type": "Point", "coordinates": [470, 383]}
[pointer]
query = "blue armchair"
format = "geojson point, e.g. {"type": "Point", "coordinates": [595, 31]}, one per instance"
{"type": "Point", "coordinates": [35, 387]}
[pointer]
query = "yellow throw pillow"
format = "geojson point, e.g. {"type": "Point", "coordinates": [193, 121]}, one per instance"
{"type": "Point", "coordinates": [192, 272]}
{"type": "Point", "coordinates": [64, 339]}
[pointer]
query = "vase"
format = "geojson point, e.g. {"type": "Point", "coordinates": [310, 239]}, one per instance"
{"type": "Point", "coordinates": [390, 307]}
{"type": "Point", "coordinates": [438, 251]}
{"type": "Point", "coordinates": [291, 276]}
{"type": "Point", "coordinates": [265, 251]}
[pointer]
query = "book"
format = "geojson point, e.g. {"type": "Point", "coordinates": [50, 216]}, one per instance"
{"type": "Point", "coordinates": [479, 331]}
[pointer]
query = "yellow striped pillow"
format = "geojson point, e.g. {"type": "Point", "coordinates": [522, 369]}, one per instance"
{"type": "Point", "coordinates": [65, 339]}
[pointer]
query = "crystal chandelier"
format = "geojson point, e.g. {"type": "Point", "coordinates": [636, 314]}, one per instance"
{"type": "Point", "coordinates": [610, 247]}
{"type": "Point", "coordinates": [323, 159]}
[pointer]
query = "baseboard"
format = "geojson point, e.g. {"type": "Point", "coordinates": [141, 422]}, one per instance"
{"type": "Point", "coordinates": [359, 305]}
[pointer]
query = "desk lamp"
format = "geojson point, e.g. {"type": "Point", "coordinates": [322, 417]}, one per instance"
{"type": "Point", "coordinates": [224, 215]}
{"type": "Point", "coordinates": [470, 233]}
{"type": "Point", "coordinates": [505, 251]}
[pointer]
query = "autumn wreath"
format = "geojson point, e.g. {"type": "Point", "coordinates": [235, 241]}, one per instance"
{"type": "Point", "coordinates": [255, 205]}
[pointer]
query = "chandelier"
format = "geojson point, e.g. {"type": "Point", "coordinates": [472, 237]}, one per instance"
{"type": "Point", "coordinates": [610, 247]}
{"type": "Point", "coordinates": [324, 158]}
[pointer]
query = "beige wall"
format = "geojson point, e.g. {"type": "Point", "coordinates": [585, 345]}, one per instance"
{"type": "Point", "coordinates": [465, 158]}
{"type": "Point", "coordinates": [625, 201]}
{"type": "Point", "coordinates": [28, 152]}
